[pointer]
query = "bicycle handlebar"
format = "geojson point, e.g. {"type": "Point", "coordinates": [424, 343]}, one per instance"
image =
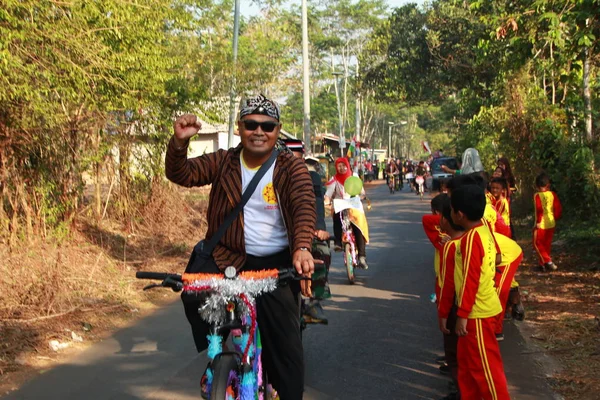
{"type": "Point", "coordinates": [172, 281]}
{"type": "Point", "coordinates": [175, 282]}
{"type": "Point", "coordinates": [159, 276]}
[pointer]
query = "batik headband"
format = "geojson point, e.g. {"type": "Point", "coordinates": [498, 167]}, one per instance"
{"type": "Point", "coordinates": [259, 105]}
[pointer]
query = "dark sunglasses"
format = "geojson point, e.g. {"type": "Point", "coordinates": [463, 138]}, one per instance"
{"type": "Point", "coordinates": [267, 126]}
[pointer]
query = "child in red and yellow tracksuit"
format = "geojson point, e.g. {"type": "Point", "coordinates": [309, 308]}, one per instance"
{"type": "Point", "coordinates": [547, 210]}
{"type": "Point", "coordinates": [446, 301]}
{"type": "Point", "coordinates": [431, 225]}
{"type": "Point", "coordinates": [512, 255]}
{"type": "Point", "coordinates": [498, 188]}
{"type": "Point", "coordinates": [480, 369]}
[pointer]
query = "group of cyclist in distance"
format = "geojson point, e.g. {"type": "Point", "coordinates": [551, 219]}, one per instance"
{"type": "Point", "coordinates": [415, 174]}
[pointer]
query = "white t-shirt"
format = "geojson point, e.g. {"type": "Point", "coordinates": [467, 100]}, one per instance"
{"type": "Point", "coordinates": [264, 229]}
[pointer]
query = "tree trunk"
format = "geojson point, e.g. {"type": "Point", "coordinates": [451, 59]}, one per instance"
{"type": "Point", "coordinates": [553, 89]}
{"type": "Point", "coordinates": [552, 74]}
{"type": "Point", "coordinates": [587, 96]}
{"type": "Point", "coordinates": [4, 219]}
{"type": "Point", "coordinates": [125, 177]}
{"type": "Point", "coordinates": [14, 221]}
{"type": "Point", "coordinates": [566, 85]}
{"type": "Point", "coordinates": [97, 177]}
{"type": "Point", "coordinates": [21, 193]}
{"type": "Point", "coordinates": [544, 84]}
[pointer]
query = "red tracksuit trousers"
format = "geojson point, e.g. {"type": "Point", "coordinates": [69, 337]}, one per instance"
{"type": "Point", "coordinates": [480, 369]}
{"type": "Point", "coordinates": [542, 243]}
{"type": "Point", "coordinates": [503, 282]}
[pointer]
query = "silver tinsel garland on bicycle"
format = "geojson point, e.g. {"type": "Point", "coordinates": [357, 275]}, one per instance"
{"type": "Point", "coordinates": [222, 291]}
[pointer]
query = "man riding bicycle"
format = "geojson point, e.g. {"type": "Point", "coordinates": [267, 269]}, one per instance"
{"type": "Point", "coordinates": [422, 172]}
{"type": "Point", "coordinates": [392, 170]}
{"type": "Point", "coordinates": [274, 230]}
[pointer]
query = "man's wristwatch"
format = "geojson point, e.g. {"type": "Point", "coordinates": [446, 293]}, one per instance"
{"type": "Point", "coordinates": [304, 248]}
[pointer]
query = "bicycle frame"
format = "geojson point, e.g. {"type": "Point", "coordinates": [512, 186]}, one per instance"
{"type": "Point", "coordinates": [420, 181]}
{"type": "Point", "coordinates": [348, 235]}
{"type": "Point", "coordinates": [343, 207]}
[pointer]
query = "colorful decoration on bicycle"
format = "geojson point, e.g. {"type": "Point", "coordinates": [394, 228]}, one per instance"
{"type": "Point", "coordinates": [252, 283]}
{"type": "Point", "coordinates": [236, 295]}
{"type": "Point", "coordinates": [353, 185]}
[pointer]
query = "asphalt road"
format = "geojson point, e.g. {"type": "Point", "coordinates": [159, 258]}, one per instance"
{"type": "Point", "coordinates": [381, 341]}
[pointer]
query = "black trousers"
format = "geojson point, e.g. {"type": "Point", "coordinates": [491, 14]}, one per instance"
{"type": "Point", "coordinates": [361, 243]}
{"type": "Point", "coordinates": [278, 317]}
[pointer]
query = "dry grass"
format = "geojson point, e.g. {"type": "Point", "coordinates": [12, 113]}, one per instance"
{"type": "Point", "coordinates": [48, 289]}
{"type": "Point", "coordinates": [564, 305]}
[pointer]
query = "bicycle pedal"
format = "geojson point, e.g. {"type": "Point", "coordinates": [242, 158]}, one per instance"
{"type": "Point", "coordinates": [314, 321]}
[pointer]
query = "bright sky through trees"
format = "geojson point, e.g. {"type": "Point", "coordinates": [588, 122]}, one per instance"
{"type": "Point", "coordinates": [248, 9]}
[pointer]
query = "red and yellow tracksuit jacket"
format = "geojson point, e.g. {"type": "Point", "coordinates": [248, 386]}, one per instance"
{"type": "Point", "coordinates": [431, 225]}
{"type": "Point", "coordinates": [494, 219]}
{"type": "Point", "coordinates": [447, 264]}
{"type": "Point", "coordinates": [501, 205]}
{"type": "Point", "coordinates": [474, 281]}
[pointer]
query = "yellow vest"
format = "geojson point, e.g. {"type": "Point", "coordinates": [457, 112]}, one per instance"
{"type": "Point", "coordinates": [547, 199]}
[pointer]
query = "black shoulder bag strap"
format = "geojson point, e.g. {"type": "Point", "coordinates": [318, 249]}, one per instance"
{"type": "Point", "coordinates": [205, 248]}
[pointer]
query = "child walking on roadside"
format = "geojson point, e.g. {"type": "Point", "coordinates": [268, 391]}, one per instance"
{"type": "Point", "coordinates": [446, 302]}
{"type": "Point", "coordinates": [547, 210]}
{"type": "Point", "coordinates": [431, 225]}
{"type": "Point", "coordinates": [480, 369]}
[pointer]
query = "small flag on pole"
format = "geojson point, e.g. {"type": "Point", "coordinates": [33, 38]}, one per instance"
{"type": "Point", "coordinates": [351, 148]}
{"type": "Point", "coordinates": [426, 147]}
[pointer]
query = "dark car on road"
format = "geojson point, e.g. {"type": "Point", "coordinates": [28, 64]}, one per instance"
{"type": "Point", "coordinates": [438, 174]}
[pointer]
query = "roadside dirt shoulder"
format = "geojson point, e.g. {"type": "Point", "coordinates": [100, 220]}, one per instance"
{"type": "Point", "coordinates": [561, 323]}
{"type": "Point", "coordinates": [57, 298]}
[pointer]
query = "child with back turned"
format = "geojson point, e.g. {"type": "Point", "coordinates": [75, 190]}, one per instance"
{"type": "Point", "coordinates": [431, 226]}
{"type": "Point", "coordinates": [547, 210]}
{"type": "Point", "coordinates": [446, 301]}
{"type": "Point", "coordinates": [480, 369]}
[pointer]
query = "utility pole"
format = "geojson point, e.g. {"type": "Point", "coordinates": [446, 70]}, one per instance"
{"type": "Point", "coordinates": [306, 77]}
{"type": "Point", "coordinates": [391, 125]}
{"type": "Point", "coordinates": [236, 33]}
{"type": "Point", "coordinates": [357, 112]}
{"type": "Point", "coordinates": [357, 126]}
{"type": "Point", "coordinates": [342, 140]}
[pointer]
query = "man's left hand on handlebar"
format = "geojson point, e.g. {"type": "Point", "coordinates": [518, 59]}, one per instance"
{"type": "Point", "coordinates": [322, 235]}
{"type": "Point", "coordinates": [305, 265]}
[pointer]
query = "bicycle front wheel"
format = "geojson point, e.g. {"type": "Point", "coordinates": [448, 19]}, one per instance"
{"type": "Point", "coordinates": [226, 378]}
{"type": "Point", "coordinates": [349, 259]}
